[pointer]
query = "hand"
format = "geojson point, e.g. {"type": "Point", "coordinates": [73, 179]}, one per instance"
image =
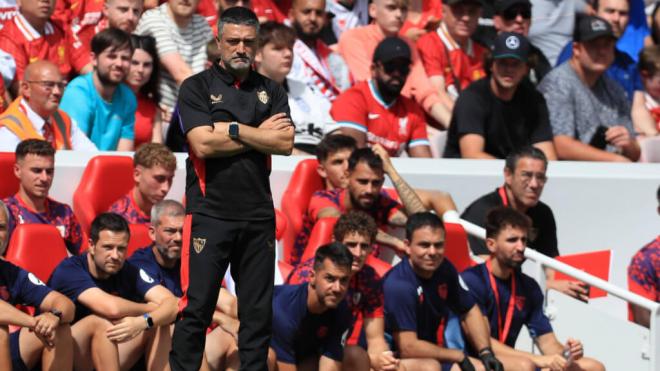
{"type": "Point", "coordinates": [382, 153]}
{"type": "Point", "coordinates": [432, 24]}
{"type": "Point", "coordinates": [618, 136]}
{"type": "Point", "coordinates": [415, 33]}
{"type": "Point", "coordinates": [126, 329]}
{"type": "Point", "coordinates": [165, 113]}
{"type": "Point", "coordinates": [228, 324]}
{"type": "Point", "coordinates": [554, 362]}
{"type": "Point", "coordinates": [575, 348]}
{"type": "Point", "coordinates": [385, 361]}
{"type": "Point", "coordinates": [466, 365]}
{"type": "Point", "coordinates": [44, 327]}
{"type": "Point", "coordinates": [277, 121]}
{"type": "Point", "coordinates": [490, 362]}
{"type": "Point", "coordinates": [574, 289]}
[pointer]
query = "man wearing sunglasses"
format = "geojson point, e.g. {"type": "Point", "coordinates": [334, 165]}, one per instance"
{"type": "Point", "coordinates": [36, 114]}
{"type": "Point", "coordinates": [374, 112]}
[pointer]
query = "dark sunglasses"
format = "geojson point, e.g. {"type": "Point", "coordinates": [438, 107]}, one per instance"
{"type": "Point", "coordinates": [396, 66]}
{"type": "Point", "coordinates": [512, 13]}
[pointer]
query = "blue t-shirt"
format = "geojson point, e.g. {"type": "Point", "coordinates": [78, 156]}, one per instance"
{"type": "Point", "coordinates": [623, 70]}
{"type": "Point", "coordinates": [169, 277]}
{"type": "Point", "coordinates": [71, 277]}
{"type": "Point", "coordinates": [528, 308]}
{"type": "Point", "coordinates": [103, 122]}
{"type": "Point", "coordinates": [422, 305]}
{"type": "Point", "coordinates": [299, 334]}
{"type": "Point", "coordinates": [20, 287]}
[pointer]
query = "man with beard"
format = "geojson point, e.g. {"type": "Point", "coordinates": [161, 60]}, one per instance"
{"type": "Point", "coordinates": [313, 62]}
{"type": "Point", "coordinates": [499, 281]}
{"type": "Point", "coordinates": [366, 169]}
{"type": "Point", "coordinates": [234, 120]}
{"type": "Point", "coordinates": [374, 112]}
{"type": "Point", "coordinates": [502, 112]}
{"type": "Point", "coordinates": [311, 320]}
{"type": "Point", "coordinates": [99, 102]}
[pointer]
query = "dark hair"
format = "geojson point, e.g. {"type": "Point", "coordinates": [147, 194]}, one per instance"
{"type": "Point", "coordinates": [420, 220]}
{"type": "Point", "coordinates": [337, 252]}
{"type": "Point", "coordinates": [649, 59]}
{"type": "Point", "coordinates": [655, 27]}
{"type": "Point", "coordinates": [334, 143]}
{"type": "Point", "coordinates": [237, 15]}
{"type": "Point", "coordinates": [367, 156]}
{"type": "Point", "coordinates": [355, 222]}
{"type": "Point", "coordinates": [501, 217]}
{"type": "Point", "coordinates": [37, 147]}
{"type": "Point", "coordinates": [276, 33]}
{"type": "Point", "coordinates": [148, 44]}
{"type": "Point", "coordinates": [658, 194]}
{"type": "Point", "coordinates": [111, 37]}
{"type": "Point", "coordinates": [524, 152]}
{"type": "Point", "coordinates": [108, 222]}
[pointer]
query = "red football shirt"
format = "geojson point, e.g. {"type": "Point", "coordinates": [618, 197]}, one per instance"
{"type": "Point", "coordinates": [396, 126]}
{"type": "Point", "coordinates": [27, 45]}
{"type": "Point", "coordinates": [77, 13]}
{"type": "Point", "coordinates": [80, 43]}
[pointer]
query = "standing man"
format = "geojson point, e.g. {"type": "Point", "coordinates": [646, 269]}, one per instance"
{"type": "Point", "coordinates": [229, 203]}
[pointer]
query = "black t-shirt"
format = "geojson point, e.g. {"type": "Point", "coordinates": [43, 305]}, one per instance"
{"type": "Point", "coordinates": [234, 187]}
{"type": "Point", "coordinates": [505, 126]}
{"type": "Point", "coordinates": [543, 224]}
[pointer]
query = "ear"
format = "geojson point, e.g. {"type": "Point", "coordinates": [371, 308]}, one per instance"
{"type": "Point", "coordinates": [17, 171]}
{"type": "Point", "coordinates": [258, 58]}
{"type": "Point", "coordinates": [312, 279]}
{"type": "Point", "coordinates": [372, 10]}
{"type": "Point", "coordinates": [24, 89]}
{"type": "Point", "coordinates": [137, 171]}
{"type": "Point", "coordinates": [406, 246]}
{"type": "Point", "coordinates": [152, 232]}
{"type": "Point", "coordinates": [320, 169]}
{"type": "Point", "coordinates": [94, 59]}
{"type": "Point", "coordinates": [508, 176]}
{"type": "Point", "coordinates": [490, 245]}
{"type": "Point", "coordinates": [90, 248]}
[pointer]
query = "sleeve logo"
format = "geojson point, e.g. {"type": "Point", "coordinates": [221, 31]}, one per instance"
{"type": "Point", "coordinates": [145, 277]}
{"type": "Point", "coordinates": [35, 280]}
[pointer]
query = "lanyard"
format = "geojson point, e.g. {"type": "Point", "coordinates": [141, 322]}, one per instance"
{"type": "Point", "coordinates": [503, 332]}
{"type": "Point", "coordinates": [503, 196]}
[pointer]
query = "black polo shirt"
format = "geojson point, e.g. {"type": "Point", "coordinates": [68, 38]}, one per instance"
{"type": "Point", "coordinates": [234, 187]}
{"type": "Point", "coordinates": [543, 224]}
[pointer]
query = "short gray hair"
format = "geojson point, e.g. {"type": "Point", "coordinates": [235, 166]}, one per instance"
{"type": "Point", "coordinates": [166, 207]}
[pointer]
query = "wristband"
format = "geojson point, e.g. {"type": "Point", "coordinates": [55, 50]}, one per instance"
{"type": "Point", "coordinates": [148, 320]}
{"type": "Point", "coordinates": [451, 216]}
{"type": "Point", "coordinates": [485, 350]}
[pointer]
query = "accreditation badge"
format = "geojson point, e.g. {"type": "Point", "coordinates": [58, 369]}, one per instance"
{"type": "Point", "coordinates": [263, 96]}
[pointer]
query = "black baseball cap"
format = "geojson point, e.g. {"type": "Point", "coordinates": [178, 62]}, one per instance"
{"type": "Point", "coordinates": [452, 2]}
{"type": "Point", "coordinates": [510, 45]}
{"type": "Point", "coordinates": [391, 48]}
{"type": "Point", "coordinates": [591, 27]}
{"type": "Point", "coordinates": [502, 5]}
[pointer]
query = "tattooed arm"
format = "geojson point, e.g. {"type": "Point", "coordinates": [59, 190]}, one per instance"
{"type": "Point", "coordinates": [409, 198]}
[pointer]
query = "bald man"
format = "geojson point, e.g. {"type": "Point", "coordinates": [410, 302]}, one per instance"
{"type": "Point", "coordinates": [35, 113]}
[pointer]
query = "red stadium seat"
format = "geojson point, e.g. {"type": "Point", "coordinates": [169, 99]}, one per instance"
{"type": "Point", "coordinates": [139, 238]}
{"type": "Point", "coordinates": [280, 224]}
{"type": "Point", "coordinates": [9, 183]}
{"type": "Point", "coordinates": [456, 247]}
{"type": "Point", "coordinates": [105, 179]}
{"type": "Point", "coordinates": [321, 234]}
{"type": "Point", "coordinates": [378, 265]}
{"type": "Point", "coordinates": [303, 183]}
{"type": "Point", "coordinates": [37, 248]}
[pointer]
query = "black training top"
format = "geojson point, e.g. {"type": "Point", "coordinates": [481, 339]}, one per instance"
{"type": "Point", "coordinates": [544, 230]}
{"type": "Point", "coordinates": [505, 125]}
{"type": "Point", "coordinates": [234, 187]}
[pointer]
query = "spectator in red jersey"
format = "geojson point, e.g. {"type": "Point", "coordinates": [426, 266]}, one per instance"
{"type": "Point", "coordinates": [154, 166]}
{"type": "Point", "coordinates": [35, 168]}
{"type": "Point", "coordinates": [31, 36]}
{"type": "Point", "coordinates": [423, 16]}
{"type": "Point", "coordinates": [374, 112]}
{"type": "Point", "coordinates": [121, 14]}
{"type": "Point", "coordinates": [451, 59]}
{"type": "Point", "coordinates": [77, 13]}
{"type": "Point", "coordinates": [143, 79]}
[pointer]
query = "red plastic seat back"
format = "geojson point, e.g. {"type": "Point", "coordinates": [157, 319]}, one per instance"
{"type": "Point", "coordinates": [456, 247]}
{"type": "Point", "coordinates": [9, 183]}
{"type": "Point", "coordinates": [37, 248]}
{"type": "Point", "coordinates": [281, 224]}
{"type": "Point", "coordinates": [139, 238]}
{"type": "Point", "coordinates": [321, 234]}
{"type": "Point", "coordinates": [378, 265]}
{"type": "Point", "coordinates": [285, 269]}
{"type": "Point", "coordinates": [105, 179]}
{"type": "Point", "coordinates": [303, 183]}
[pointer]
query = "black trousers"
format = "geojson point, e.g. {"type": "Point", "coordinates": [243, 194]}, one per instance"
{"type": "Point", "coordinates": [210, 244]}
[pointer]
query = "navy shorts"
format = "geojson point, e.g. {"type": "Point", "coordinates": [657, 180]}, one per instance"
{"type": "Point", "coordinates": [14, 347]}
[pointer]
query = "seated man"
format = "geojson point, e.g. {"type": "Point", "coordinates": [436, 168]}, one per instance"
{"type": "Point", "coordinates": [366, 171]}
{"type": "Point", "coordinates": [502, 112]}
{"type": "Point", "coordinates": [524, 180]}
{"type": "Point", "coordinates": [589, 112]}
{"type": "Point", "coordinates": [122, 313]}
{"type": "Point", "coordinates": [153, 170]}
{"type": "Point", "coordinates": [374, 111]}
{"type": "Point", "coordinates": [643, 273]}
{"type": "Point", "coordinates": [162, 261]}
{"type": "Point", "coordinates": [100, 103]}
{"type": "Point", "coordinates": [422, 291]}
{"type": "Point", "coordinates": [35, 168]}
{"type": "Point", "coordinates": [44, 338]}
{"type": "Point", "coordinates": [366, 346]}
{"type": "Point", "coordinates": [500, 281]}
{"type": "Point", "coordinates": [311, 320]}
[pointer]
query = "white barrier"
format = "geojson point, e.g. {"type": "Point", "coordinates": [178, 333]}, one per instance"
{"type": "Point", "coordinates": [653, 344]}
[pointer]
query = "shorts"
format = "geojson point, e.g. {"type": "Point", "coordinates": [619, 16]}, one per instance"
{"type": "Point", "coordinates": [14, 347]}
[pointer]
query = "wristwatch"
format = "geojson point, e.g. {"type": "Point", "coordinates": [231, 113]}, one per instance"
{"type": "Point", "coordinates": [233, 130]}
{"type": "Point", "coordinates": [149, 320]}
{"type": "Point", "coordinates": [57, 313]}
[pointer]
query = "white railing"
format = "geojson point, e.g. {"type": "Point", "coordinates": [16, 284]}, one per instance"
{"type": "Point", "coordinates": [653, 307]}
